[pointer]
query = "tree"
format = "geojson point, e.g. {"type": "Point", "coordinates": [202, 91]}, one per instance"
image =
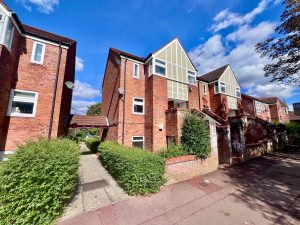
{"type": "Point", "coordinates": [94, 109]}
{"type": "Point", "coordinates": [284, 48]}
{"type": "Point", "coordinates": [195, 137]}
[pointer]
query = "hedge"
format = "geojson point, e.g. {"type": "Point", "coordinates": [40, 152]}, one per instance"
{"type": "Point", "coordinates": [38, 181]}
{"type": "Point", "coordinates": [195, 137]}
{"type": "Point", "coordinates": [172, 151]}
{"type": "Point", "coordinates": [92, 143]}
{"type": "Point", "coordinates": [137, 171]}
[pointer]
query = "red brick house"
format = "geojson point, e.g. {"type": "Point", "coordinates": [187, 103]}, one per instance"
{"type": "Point", "coordinates": [145, 99]}
{"type": "Point", "coordinates": [278, 109]}
{"type": "Point", "coordinates": [34, 67]}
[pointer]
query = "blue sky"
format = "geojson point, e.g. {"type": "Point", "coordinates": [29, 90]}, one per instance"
{"type": "Point", "coordinates": [213, 32]}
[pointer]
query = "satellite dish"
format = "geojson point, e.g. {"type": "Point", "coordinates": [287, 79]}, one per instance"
{"type": "Point", "coordinates": [121, 91]}
{"type": "Point", "coordinates": [118, 60]}
{"type": "Point", "coordinates": [70, 85]}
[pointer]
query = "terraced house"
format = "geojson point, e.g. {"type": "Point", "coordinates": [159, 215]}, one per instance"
{"type": "Point", "coordinates": [34, 67]}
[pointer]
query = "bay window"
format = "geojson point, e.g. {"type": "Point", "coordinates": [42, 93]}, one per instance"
{"type": "Point", "coordinates": [222, 87]}
{"type": "Point", "coordinates": [191, 77]}
{"type": "Point", "coordinates": [238, 92]}
{"type": "Point", "coordinates": [160, 67]}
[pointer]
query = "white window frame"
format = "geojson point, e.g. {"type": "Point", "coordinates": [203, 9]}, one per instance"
{"type": "Point", "coordinates": [257, 107]}
{"type": "Point", "coordinates": [22, 99]}
{"type": "Point", "coordinates": [138, 70]}
{"type": "Point", "coordinates": [138, 103]}
{"type": "Point", "coordinates": [286, 110]}
{"type": "Point", "coordinates": [205, 89]}
{"type": "Point", "coordinates": [5, 30]}
{"type": "Point", "coordinates": [236, 91]}
{"type": "Point", "coordinates": [191, 74]}
{"type": "Point", "coordinates": [155, 63]}
{"type": "Point", "coordinates": [216, 91]}
{"type": "Point", "coordinates": [1, 26]}
{"type": "Point", "coordinates": [143, 139]}
{"type": "Point", "coordinates": [220, 87]}
{"type": "Point", "coordinates": [35, 43]}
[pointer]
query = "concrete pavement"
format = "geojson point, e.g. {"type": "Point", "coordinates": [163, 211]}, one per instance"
{"type": "Point", "coordinates": [262, 191]}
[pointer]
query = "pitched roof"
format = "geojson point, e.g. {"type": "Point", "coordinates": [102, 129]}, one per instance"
{"type": "Point", "coordinates": [129, 55]}
{"type": "Point", "coordinates": [253, 98]}
{"type": "Point", "coordinates": [46, 35]}
{"type": "Point", "coordinates": [273, 100]}
{"type": "Point", "coordinates": [293, 117]}
{"type": "Point", "coordinates": [213, 75]}
{"type": "Point", "coordinates": [88, 121]}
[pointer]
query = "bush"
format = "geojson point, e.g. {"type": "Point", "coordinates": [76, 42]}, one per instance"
{"type": "Point", "coordinates": [137, 171]}
{"type": "Point", "coordinates": [195, 136]}
{"type": "Point", "coordinates": [38, 181]}
{"type": "Point", "coordinates": [293, 129]}
{"type": "Point", "coordinates": [172, 151]}
{"type": "Point", "coordinates": [92, 144]}
{"type": "Point", "coordinates": [79, 135]}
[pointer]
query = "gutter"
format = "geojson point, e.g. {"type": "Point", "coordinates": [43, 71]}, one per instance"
{"type": "Point", "coordinates": [54, 91]}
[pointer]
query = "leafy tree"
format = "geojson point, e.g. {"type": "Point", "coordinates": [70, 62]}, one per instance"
{"type": "Point", "coordinates": [284, 48]}
{"type": "Point", "coordinates": [94, 109]}
{"type": "Point", "coordinates": [195, 137]}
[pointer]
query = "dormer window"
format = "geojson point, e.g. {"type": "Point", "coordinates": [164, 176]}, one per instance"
{"type": "Point", "coordinates": [238, 92]}
{"type": "Point", "coordinates": [222, 87]}
{"type": "Point", "coordinates": [160, 67]}
{"type": "Point", "coordinates": [191, 77]}
{"type": "Point", "coordinates": [38, 52]}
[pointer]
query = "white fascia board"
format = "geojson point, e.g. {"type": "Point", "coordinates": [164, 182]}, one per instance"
{"type": "Point", "coordinates": [128, 58]}
{"type": "Point", "coordinates": [44, 41]}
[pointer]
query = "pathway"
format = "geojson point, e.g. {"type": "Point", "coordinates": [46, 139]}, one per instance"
{"type": "Point", "coordinates": [96, 189]}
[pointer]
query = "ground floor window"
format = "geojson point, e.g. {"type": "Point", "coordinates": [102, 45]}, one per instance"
{"type": "Point", "coordinates": [171, 141]}
{"type": "Point", "coordinates": [22, 103]}
{"type": "Point", "coordinates": [138, 141]}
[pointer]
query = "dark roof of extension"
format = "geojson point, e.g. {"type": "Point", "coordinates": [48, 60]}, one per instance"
{"type": "Point", "coordinates": [46, 35]}
{"type": "Point", "coordinates": [88, 121]}
{"type": "Point", "coordinates": [273, 100]}
{"type": "Point", "coordinates": [213, 75]}
{"type": "Point", "coordinates": [293, 117]}
{"type": "Point", "coordinates": [129, 55]}
{"type": "Point", "coordinates": [253, 98]}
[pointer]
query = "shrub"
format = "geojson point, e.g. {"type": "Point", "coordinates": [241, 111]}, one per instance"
{"type": "Point", "coordinates": [92, 144]}
{"type": "Point", "coordinates": [293, 129]}
{"type": "Point", "coordinates": [38, 181]}
{"type": "Point", "coordinates": [172, 151]}
{"type": "Point", "coordinates": [79, 135]}
{"type": "Point", "coordinates": [137, 171]}
{"type": "Point", "coordinates": [195, 136]}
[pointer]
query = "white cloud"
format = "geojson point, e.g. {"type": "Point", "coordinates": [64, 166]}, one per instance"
{"type": "Point", "coordinates": [85, 90]}
{"type": "Point", "coordinates": [80, 106]}
{"type": "Point", "coordinates": [44, 6]}
{"type": "Point", "coordinates": [79, 65]}
{"type": "Point", "coordinates": [226, 18]}
{"type": "Point", "coordinates": [238, 50]}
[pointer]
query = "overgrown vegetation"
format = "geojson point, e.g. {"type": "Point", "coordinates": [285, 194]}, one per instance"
{"type": "Point", "coordinates": [293, 130]}
{"type": "Point", "coordinates": [38, 181]}
{"type": "Point", "coordinates": [195, 137]}
{"type": "Point", "coordinates": [79, 135]}
{"type": "Point", "coordinates": [172, 151]}
{"type": "Point", "coordinates": [92, 143]}
{"type": "Point", "coordinates": [138, 172]}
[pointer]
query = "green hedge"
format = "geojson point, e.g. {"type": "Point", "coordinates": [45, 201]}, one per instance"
{"type": "Point", "coordinates": [92, 144]}
{"type": "Point", "coordinates": [38, 181]}
{"type": "Point", "coordinates": [195, 137]}
{"type": "Point", "coordinates": [172, 151]}
{"type": "Point", "coordinates": [137, 171]}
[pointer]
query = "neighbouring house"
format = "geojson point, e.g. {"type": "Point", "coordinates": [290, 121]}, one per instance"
{"type": "Point", "coordinates": [256, 107]}
{"type": "Point", "coordinates": [296, 107]}
{"type": "Point", "coordinates": [294, 116]}
{"type": "Point", "coordinates": [34, 67]}
{"type": "Point", "coordinates": [85, 121]}
{"type": "Point", "coordinates": [278, 109]}
{"type": "Point", "coordinates": [145, 99]}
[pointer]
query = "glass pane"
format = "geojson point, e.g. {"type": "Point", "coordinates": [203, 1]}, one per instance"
{"type": "Point", "coordinates": [160, 70]}
{"type": "Point", "coordinates": [22, 107]}
{"type": "Point", "coordinates": [192, 80]}
{"type": "Point", "coordinates": [138, 100]}
{"type": "Point", "coordinates": [136, 70]}
{"type": "Point", "coordinates": [24, 94]}
{"type": "Point", "coordinates": [223, 90]}
{"type": "Point", "coordinates": [138, 108]}
{"type": "Point", "coordinates": [160, 61]}
{"type": "Point", "coordinates": [138, 144]}
{"type": "Point", "coordinates": [38, 53]}
{"type": "Point", "coordinates": [9, 34]}
{"type": "Point", "coordinates": [137, 138]}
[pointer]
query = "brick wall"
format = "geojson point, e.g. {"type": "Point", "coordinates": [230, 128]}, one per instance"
{"type": "Point", "coordinates": [41, 79]}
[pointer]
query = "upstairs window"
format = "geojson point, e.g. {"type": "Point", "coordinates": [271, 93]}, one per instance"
{"type": "Point", "coordinates": [160, 67]}
{"type": "Point", "coordinates": [257, 107]}
{"type": "Point", "coordinates": [22, 103]}
{"type": "Point", "coordinates": [238, 92]}
{"type": "Point", "coordinates": [222, 87]}
{"type": "Point", "coordinates": [286, 110]}
{"type": "Point", "coordinates": [204, 88]}
{"type": "Point", "coordinates": [1, 24]}
{"type": "Point", "coordinates": [9, 35]}
{"type": "Point", "coordinates": [138, 106]}
{"type": "Point", "coordinates": [216, 87]}
{"type": "Point", "coordinates": [38, 52]}
{"type": "Point", "coordinates": [191, 77]}
{"type": "Point", "coordinates": [266, 108]}
{"type": "Point", "coordinates": [136, 70]}
{"type": "Point", "coordinates": [138, 141]}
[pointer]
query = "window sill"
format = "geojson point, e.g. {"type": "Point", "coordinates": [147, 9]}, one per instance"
{"type": "Point", "coordinates": [36, 63]}
{"type": "Point", "coordinates": [138, 114]}
{"type": "Point", "coordinates": [21, 115]}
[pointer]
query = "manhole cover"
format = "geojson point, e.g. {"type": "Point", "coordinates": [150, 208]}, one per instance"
{"type": "Point", "coordinates": [94, 185]}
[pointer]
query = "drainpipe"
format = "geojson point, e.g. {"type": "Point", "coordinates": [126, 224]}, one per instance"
{"type": "Point", "coordinates": [199, 96]}
{"type": "Point", "coordinates": [124, 100]}
{"type": "Point", "coordinates": [54, 92]}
